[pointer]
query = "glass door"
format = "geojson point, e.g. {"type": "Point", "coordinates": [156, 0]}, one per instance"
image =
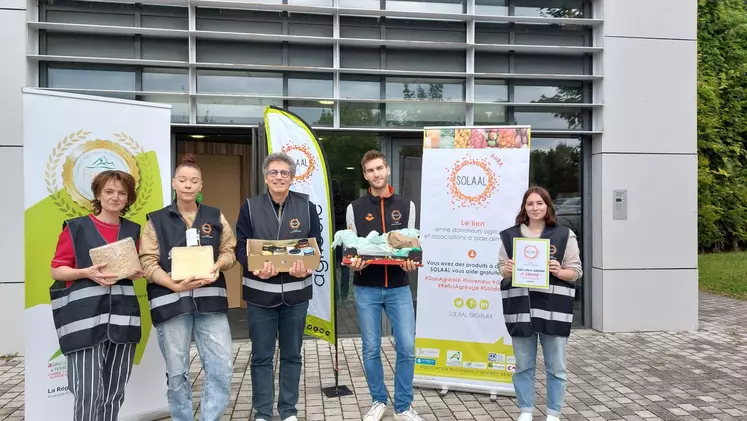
{"type": "Point", "coordinates": [405, 157]}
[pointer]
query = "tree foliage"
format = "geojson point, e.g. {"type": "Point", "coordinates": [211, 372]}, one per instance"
{"type": "Point", "coordinates": [722, 124]}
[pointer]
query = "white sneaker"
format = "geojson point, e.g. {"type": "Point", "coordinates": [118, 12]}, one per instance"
{"type": "Point", "coordinates": [376, 413]}
{"type": "Point", "coordinates": [552, 418]}
{"type": "Point", "coordinates": [409, 415]}
{"type": "Point", "coordinates": [525, 416]}
{"type": "Point", "coordinates": [291, 418]}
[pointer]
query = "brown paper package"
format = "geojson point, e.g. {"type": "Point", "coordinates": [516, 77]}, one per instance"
{"type": "Point", "coordinates": [189, 261]}
{"type": "Point", "coordinates": [120, 258]}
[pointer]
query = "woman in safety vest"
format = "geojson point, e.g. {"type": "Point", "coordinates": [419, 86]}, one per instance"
{"type": "Point", "coordinates": [540, 314]}
{"type": "Point", "coordinates": [97, 317]}
{"type": "Point", "coordinates": [192, 305]}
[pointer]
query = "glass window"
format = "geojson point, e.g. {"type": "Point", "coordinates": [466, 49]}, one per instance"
{"type": "Point", "coordinates": [426, 6]}
{"type": "Point", "coordinates": [104, 78]}
{"type": "Point", "coordinates": [165, 80]}
{"type": "Point", "coordinates": [361, 4]}
{"type": "Point", "coordinates": [491, 90]}
{"type": "Point", "coordinates": [306, 86]}
{"type": "Point", "coordinates": [357, 114]}
{"type": "Point", "coordinates": [491, 7]}
{"type": "Point", "coordinates": [487, 114]}
{"type": "Point", "coordinates": [179, 106]}
{"type": "Point", "coordinates": [316, 113]}
{"type": "Point", "coordinates": [311, 2]}
{"type": "Point", "coordinates": [492, 33]}
{"type": "Point", "coordinates": [551, 64]}
{"type": "Point", "coordinates": [424, 114]}
{"type": "Point", "coordinates": [425, 89]}
{"type": "Point", "coordinates": [233, 110]}
{"type": "Point", "coordinates": [567, 92]}
{"type": "Point", "coordinates": [239, 82]}
{"type": "Point", "coordinates": [364, 88]}
{"type": "Point", "coordinates": [549, 8]}
{"type": "Point", "coordinates": [550, 118]}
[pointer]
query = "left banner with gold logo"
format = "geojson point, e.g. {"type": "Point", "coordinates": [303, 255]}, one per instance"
{"type": "Point", "coordinates": [68, 139]}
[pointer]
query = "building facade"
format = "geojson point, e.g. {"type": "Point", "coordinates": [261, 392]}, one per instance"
{"type": "Point", "coordinates": [609, 91]}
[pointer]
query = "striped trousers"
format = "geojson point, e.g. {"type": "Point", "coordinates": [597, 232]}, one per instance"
{"type": "Point", "coordinates": [97, 378]}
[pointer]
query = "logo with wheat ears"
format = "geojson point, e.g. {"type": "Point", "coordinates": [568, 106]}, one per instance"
{"type": "Point", "coordinates": [82, 159]}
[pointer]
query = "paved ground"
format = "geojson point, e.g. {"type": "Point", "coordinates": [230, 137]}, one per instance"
{"type": "Point", "coordinates": [670, 376]}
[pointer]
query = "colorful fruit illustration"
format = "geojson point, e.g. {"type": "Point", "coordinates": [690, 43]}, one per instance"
{"type": "Point", "coordinates": [461, 138]}
{"type": "Point", "coordinates": [478, 139]}
{"type": "Point", "coordinates": [506, 138]}
{"type": "Point", "coordinates": [446, 139]}
{"type": "Point", "coordinates": [432, 138]}
{"type": "Point", "coordinates": [493, 138]}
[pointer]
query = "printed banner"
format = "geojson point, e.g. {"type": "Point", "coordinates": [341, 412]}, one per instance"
{"type": "Point", "coordinates": [476, 178]}
{"type": "Point", "coordinates": [286, 132]}
{"type": "Point", "coordinates": [68, 139]}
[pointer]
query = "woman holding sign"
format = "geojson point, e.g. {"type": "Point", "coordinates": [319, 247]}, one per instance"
{"type": "Point", "coordinates": [196, 304]}
{"type": "Point", "coordinates": [96, 312]}
{"type": "Point", "coordinates": [538, 291]}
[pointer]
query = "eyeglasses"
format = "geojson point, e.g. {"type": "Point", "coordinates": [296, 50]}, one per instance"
{"type": "Point", "coordinates": [283, 173]}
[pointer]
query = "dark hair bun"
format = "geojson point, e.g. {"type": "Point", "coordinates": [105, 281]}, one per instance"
{"type": "Point", "coordinates": [189, 158]}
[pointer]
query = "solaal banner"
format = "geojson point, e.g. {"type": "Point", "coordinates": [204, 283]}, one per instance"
{"type": "Point", "coordinates": [68, 139]}
{"type": "Point", "coordinates": [476, 179]}
{"type": "Point", "coordinates": [289, 133]}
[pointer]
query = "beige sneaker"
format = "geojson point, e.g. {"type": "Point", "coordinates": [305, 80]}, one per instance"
{"type": "Point", "coordinates": [409, 415]}
{"type": "Point", "coordinates": [376, 413]}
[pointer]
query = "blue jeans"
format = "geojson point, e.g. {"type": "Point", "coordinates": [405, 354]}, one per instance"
{"type": "Point", "coordinates": [286, 323]}
{"type": "Point", "coordinates": [553, 349]}
{"type": "Point", "coordinates": [213, 339]}
{"type": "Point", "coordinates": [397, 303]}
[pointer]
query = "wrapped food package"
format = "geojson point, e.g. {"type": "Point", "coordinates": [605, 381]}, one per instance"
{"type": "Point", "coordinates": [397, 240]}
{"type": "Point", "coordinates": [120, 257]}
{"type": "Point", "coordinates": [376, 245]}
{"type": "Point", "coordinates": [191, 261]}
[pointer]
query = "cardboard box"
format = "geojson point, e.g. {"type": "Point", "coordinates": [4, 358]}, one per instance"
{"type": "Point", "coordinates": [120, 257]}
{"type": "Point", "coordinates": [188, 261]}
{"type": "Point", "coordinates": [282, 261]}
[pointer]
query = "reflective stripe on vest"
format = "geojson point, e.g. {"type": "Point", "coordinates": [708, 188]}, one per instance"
{"type": "Point", "coordinates": [539, 314]}
{"type": "Point", "coordinates": [91, 322]}
{"type": "Point", "coordinates": [92, 291]}
{"type": "Point", "coordinates": [554, 289]}
{"type": "Point", "coordinates": [203, 292]}
{"type": "Point", "coordinates": [277, 288]}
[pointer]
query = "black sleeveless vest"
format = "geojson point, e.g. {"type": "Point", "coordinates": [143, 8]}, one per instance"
{"type": "Point", "coordinates": [294, 223]}
{"type": "Point", "coordinates": [86, 313]}
{"type": "Point", "coordinates": [550, 311]}
{"type": "Point", "coordinates": [170, 229]}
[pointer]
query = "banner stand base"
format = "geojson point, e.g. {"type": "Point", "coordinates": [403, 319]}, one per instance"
{"type": "Point", "coordinates": [336, 391]}
{"type": "Point", "coordinates": [444, 388]}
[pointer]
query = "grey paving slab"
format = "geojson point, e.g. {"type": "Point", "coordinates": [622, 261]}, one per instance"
{"type": "Point", "coordinates": [698, 375]}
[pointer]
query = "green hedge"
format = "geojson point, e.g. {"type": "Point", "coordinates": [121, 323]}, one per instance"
{"type": "Point", "coordinates": [722, 125]}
